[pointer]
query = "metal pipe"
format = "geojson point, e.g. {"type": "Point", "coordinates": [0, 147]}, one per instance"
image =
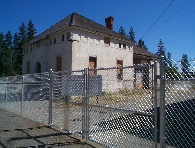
{"type": "Point", "coordinates": [50, 96]}
{"type": "Point", "coordinates": [162, 103]}
{"type": "Point", "coordinates": [21, 111]}
{"type": "Point", "coordinates": [155, 104]}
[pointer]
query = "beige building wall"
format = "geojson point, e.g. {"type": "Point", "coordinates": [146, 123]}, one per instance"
{"type": "Point", "coordinates": [75, 53]}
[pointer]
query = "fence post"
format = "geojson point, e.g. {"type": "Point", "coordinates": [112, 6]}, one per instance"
{"type": "Point", "coordinates": [50, 96]}
{"type": "Point", "coordinates": [162, 103]}
{"type": "Point", "coordinates": [155, 104]}
{"type": "Point", "coordinates": [6, 93]}
{"type": "Point", "coordinates": [85, 126]}
{"type": "Point", "coordinates": [22, 99]}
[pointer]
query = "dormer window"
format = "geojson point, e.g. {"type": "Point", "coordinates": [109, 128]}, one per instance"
{"type": "Point", "coordinates": [107, 41]}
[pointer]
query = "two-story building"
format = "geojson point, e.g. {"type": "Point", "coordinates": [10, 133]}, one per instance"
{"type": "Point", "coordinates": [77, 42]}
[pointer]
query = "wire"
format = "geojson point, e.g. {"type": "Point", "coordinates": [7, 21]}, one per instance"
{"type": "Point", "coordinates": [158, 19]}
{"type": "Point", "coordinates": [174, 13]}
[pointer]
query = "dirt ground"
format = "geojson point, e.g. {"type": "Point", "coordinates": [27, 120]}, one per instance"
{"type": "Point", "coordinates": [19, 132]}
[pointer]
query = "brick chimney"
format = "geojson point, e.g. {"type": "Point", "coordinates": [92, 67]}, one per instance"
{"type": "Point", "coordinates": [109, 22]}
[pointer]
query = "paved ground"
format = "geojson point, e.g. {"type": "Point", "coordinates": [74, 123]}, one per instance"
{"type": "Point", "coordinates": [16, 131]}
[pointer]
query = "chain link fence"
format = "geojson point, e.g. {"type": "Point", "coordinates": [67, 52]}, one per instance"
{"type": "Point", "coordinates": [142, 105]}
{"type": "Point", "coordinates": [180, 103]}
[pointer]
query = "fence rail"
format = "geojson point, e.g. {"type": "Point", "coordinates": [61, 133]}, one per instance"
{"type": "Point", "coordinates": [146, 106]}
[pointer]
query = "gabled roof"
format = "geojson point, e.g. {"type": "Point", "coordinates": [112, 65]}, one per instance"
{"type": "Point", "coordinates": [143, 52]}
{"type": "Point", "coordinates": [77, 21]}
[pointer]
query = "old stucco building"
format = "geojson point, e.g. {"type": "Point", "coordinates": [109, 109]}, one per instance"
{"type": "Point", "coordinates": [74, 43]}
{"type": "Point", "coordinates": [77, 42]}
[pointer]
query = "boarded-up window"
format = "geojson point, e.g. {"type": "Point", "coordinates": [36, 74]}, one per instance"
{"type": "Point", "coordinates": [124, 46]}
{"type": "Point", "coordinates": [62, 37]}
{"type": "Point", "coordinates": [92, 65]}
{"type": "Point", "coordinates": [59, 63]}
{"type": "Point", "coordinates": [119, 45]}
{"type": "Point", "coordinates": [107, 41]}
{"type": "Point", "coordinates": [119, 64]}
{"type": "Point", "coordinates": [38, 67]}
{"type": "Point", "coordinates": [54, 41]}
{"type": "Point", "coordinates": [28, 68]}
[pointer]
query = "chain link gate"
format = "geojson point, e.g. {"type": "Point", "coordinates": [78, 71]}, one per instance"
{"type": "Point", "coordinates": [124, 113]}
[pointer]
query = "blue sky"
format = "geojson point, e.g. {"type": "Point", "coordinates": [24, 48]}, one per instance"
{"type": "Point", "coordinates": [176, 27]}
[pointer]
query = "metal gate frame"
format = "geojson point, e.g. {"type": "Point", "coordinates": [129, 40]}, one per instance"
{"type": "Point", "coordinates": [155, 77]}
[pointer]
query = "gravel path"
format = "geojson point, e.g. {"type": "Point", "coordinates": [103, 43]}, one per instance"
{"type": "Point", "coordinates": [16, 131]}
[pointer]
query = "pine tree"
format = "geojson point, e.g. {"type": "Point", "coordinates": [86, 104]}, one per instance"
{"type": "Point", "coordinates": [142, 44]}
{"type": "Point", "coordinates": [31, 31]}
{"type": "Point", "coordinates": [22, 34]}
{"type": "Point", "coordinates": [8, 40]}
{"type": "Point", "coordinates": [161, 49]}
{"type": "Point", "coordinates": [8, 54]}
{"type": "Point", "coordinates": [169, 61]}
{"type": "Point", "coordinates": [22, 40]}
{"type": "Point", "coordinates": [185, 65]}
{"type": "Point", "coordinates": [2, 51]}
{"type": "Point", "coordinates": [16, 48]}
{"type": "Point", "coordinates": [122, 31]}
{"type": "Point", "coordinates": [131, 35]}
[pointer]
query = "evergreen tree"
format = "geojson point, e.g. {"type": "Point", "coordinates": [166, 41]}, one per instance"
{"type": "Point", "coordinates": [169, 61]}
{"type": "Point", "coordinates": [131, 35]}
{"type": "Point", "coordinates": [31, 31]}
{"type": "Point", "coordinates": [22, 34]}
{"type": "Point", "coordinates": [8, 54]}
{"type": "Point", "coordinates": [185, 65]}
{"type": "Point", "coordinates": [122, 31]}
{"type": "Point", "coordinates": [161, 49]}
{"type": "Point", "coordinates": [2, 51]}
{"type": "Point", "coordinates": [8, 40]}
{"type": "Point", "coordinates": [170, 70]}
{"type": "Point", "coordinates": [16, 48]}
{"type": "Point", "coordinates": [19, 52]}
{"type": "Point", "coordinates": [142, 44]}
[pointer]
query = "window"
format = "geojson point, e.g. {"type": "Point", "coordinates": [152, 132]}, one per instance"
{"type": "Point", "coordinates": [92, 65]}
{"type": "Point", "coordinates": [107, 41]}
{"type": "Point", "coordinates": [119, 45]}
{"type": "Point", "coordinates": [59, 64]}
{"type": "Point", "coordinates": [38, 67]}
{"type": "Point", "coordinates": [62, 37]}
{"type": "Point", "coordinates": [28, 68]}
{"type": "Point", "coordinates": [69, 36]}
{"type": "Point", "coordinates": [119, 64]}
{"type": "Point", "coordinates": [54, 41]}
{"type": "Point", "coordinates": [124, 46]}
{"type": "Point", "coordinates": [50, 42]}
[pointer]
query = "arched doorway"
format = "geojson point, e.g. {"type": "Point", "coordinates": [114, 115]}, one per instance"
{"type": "Point", "coordinates": [38, 67]}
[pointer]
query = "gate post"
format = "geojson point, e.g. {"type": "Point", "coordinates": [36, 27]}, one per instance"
{"type": "Point", "coordinates": [6, 93]}
{"type": "Point", "coordinates": [50, 96]}
{"type": "Point", "coordinates": [22, 96]}
{"type": "Point", "coordinates": [155, 104]}
{"type": "Point", "coordinates": [162, 103]}
{"type": "Point", "coordinates": [85, 123]}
